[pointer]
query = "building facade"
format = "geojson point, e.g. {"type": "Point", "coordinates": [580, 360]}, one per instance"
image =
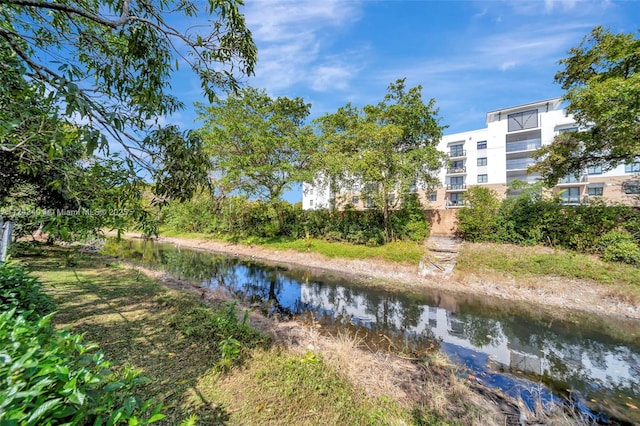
{"type": "Point", "coordinates": [501, 153]}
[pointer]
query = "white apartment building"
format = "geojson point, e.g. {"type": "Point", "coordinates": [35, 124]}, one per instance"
{"type": "Point", "coordinates": [502, 152]}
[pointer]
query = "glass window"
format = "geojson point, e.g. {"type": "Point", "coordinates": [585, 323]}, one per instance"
{"type": "Point", "coordinates": [595, 191]}
{"type": "Point", "coordinates": [456, 150]}
{"type": "Point", "coordinates": [570, 195]}
{"type": "Point", "coordinates": [631, 187]}
{"type": "Point", "coordinates": [369, 203]}
{"type": "Point", "coordinates": [433, 196]}
{"type": "Point", "coordinates": [632, 168]}
{"type": "Point", "coordinates": [355, 201]}
{"type": "Point", "coordinates": [523, 120]}
{"type": "Point", "coordinates": [482, 178]}
{"type": "Point", "coordinates": [594, 170]}
{"type": "Point", "coordinates": [482, 161]}
{"type": "Point", "coordinates": [482, 145]}
{"type": "Point", "coordinates": [311, 202]}
{"type": "Point", "coordinates": [456, 199]}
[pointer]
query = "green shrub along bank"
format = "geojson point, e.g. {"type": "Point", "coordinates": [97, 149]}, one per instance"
{"type": "Point", "coordinates": [50, 377]}
{"type": "Point", "coordinates": [239, 218]}
{"type": "Point", "coordinates": [612, 231]}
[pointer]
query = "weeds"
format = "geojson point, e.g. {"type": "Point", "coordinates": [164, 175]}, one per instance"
{"type": "Point", "coordinates": [220, 329]}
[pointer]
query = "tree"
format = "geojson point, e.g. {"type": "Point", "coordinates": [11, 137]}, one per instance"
{"type": "Point", "coordinates": [386, 149]}
{"type": "Point", "coordinates": [602, 80]}
{"type": "Point", "coordinates": [107, 64]}
{"type": "Point", "coordinates": [258, 145]}
{"type": "Point", "coordinates": [478, 219]}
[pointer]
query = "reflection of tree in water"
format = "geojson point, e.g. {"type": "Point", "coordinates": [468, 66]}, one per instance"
{"type": "Point", "coordinates": [481, 331]}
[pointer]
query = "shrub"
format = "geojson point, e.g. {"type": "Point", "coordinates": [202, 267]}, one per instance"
{"type": "Point", "coordinates": [478, 221]}
{"type": "Point", "coordinates": [52, 377]}
{"type": "Point", "coordinates": [620, 246]}
{"type": "Point", "coordinates": [22, 292]}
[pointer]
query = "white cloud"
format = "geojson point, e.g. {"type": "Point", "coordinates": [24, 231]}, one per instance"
{"type": "Point", "coordinates": [330, 77]}
{"type": "Point", "coordinates": [292, 38]}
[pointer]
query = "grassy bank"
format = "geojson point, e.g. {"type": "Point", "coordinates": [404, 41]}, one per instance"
{"type": "Point", "coordinates": [529, 262]}
{"type": "Point", "coordinates": [174, 339]}
{"type": "Point", "coordinates": [400, 251]}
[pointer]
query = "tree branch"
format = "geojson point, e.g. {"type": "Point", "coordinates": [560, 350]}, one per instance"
{"type": "Point", "coordinates": [124, 17]}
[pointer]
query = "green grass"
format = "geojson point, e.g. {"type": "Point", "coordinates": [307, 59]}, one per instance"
{"type": "Point", "coordinates": [399, 251]}
{"type": "Point", "coordinates": [521, 261]}
{"type": "Point", "coordinates": [170, 337]}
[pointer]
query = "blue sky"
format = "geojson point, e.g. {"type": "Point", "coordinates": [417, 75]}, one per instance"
{"type": "Point", "coordinates": [470, 56]}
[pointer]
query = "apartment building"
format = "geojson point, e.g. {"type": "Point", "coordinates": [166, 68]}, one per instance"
{"type": "Point", "coordinates": [500, 153]}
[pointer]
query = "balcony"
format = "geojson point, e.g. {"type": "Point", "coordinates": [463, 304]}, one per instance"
{"type": "Point", "coordinates": [523, 146]}
{"type": "Point", "coordinates": [457, 187]}
{"type": "Point", "coordinates": [573, 180]}
{"type": "Point", "coordinates": [520, 164]}
{"type": "Point", "coordinates": [457, 153]}
{"type": "Point", "coordinates": [455, 203]}
{"type": "Point", "coordinates": [456, 170]}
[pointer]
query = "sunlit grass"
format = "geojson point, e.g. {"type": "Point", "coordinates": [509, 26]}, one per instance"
{"type": "Point", "coordinates": [141, 323]}
{"type": "Point", "coordinates": [520, 261]}
{"type": "Point", "coordinates": [399, 251]}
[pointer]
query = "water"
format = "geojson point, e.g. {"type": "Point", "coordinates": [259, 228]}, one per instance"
{"type": "Point", "coordinates": [592, 361]}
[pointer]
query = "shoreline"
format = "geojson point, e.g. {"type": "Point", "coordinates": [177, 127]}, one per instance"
{"type": "Point", "coordinates": [549, 293]}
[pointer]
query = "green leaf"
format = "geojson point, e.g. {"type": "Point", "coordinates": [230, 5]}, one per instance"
{"type": "Point", "coordinates": [46, 408]}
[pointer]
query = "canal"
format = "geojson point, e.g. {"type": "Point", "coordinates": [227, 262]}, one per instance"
{"type": "Point", "coordinates": [590, 361]}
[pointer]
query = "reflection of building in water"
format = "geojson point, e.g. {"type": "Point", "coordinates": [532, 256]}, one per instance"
{"type": "Point", "coordinates": [590, 362]}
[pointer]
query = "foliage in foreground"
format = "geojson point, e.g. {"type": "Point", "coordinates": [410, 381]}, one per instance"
{"type": "Point", "coordinates": [22, 292]}
{"type": "Point", "coordinates": [53, 377]}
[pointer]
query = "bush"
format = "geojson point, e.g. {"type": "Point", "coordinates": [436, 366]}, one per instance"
{"type": "Point", "coordinates": [620, 246]}
{"type": "Point", "coordinates": [51, 377]}
{"type": "Point", "coordinates": [22, 292]}
{"type": "Point", "coordinates": [477, 221]}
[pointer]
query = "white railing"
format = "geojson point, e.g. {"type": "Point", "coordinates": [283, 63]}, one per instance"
{"type": "Point", "coordinates": [6, 229]}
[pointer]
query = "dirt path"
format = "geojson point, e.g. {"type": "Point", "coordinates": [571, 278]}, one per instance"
{"type": "Point", "coordinates": [550, 293]}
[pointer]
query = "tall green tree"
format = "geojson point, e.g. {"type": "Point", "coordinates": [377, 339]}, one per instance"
{"type": "Point", "coordinates": [108, 64]}
{"type": "Point", "coordinates": [259, 146]}
{"type": "Point", "coordinates": [602, 80]}
{"type": "Point", "coordinates": [384, 149]}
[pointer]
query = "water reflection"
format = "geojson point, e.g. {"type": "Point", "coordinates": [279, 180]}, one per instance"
{"type": "Point", "coordinates": [506, 348]}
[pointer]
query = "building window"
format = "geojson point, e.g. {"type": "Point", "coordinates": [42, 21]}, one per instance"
{"type": "Point", "coordinates": [594, 170]}
{"type": "Point", "coordinates": [482, 145]}
{"type": "Point", "coordinates": [632, 168]}
{"type": "Point", "coordinates": [631, 187]}
{"type": "Point", "coordinates": [355, 200]}
{"type": "Point", "coordinates": [456, 199]}
{"type": "Point", "coordinates": [570, 195]}
{"type": "Point", "coordinates": [456, 182]}
{"type": "Point", "coordinates": [310, 191]}
{"type": "Point", "coordinates": [595, 190]}
{"type": "Point", "coordinates": [523, 120]}
{"type": "Point", "coordinates": [369, 203]}
{"type": "Point", "coordinates": [568, 129]}
{"type": "Point", "coordinates": [433, 196]}
{"type": "Point", "coordinates": [483, 178]}
{"type": "Point", "coordinates": [311, 203]}
{"type": "Point", "coordinates": [456, 150]}
{"type": "Point", "coordinates": [482, 161]}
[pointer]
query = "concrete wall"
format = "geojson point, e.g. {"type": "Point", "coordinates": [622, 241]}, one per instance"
{"type": "Point", "coordinates": [443, 221]}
